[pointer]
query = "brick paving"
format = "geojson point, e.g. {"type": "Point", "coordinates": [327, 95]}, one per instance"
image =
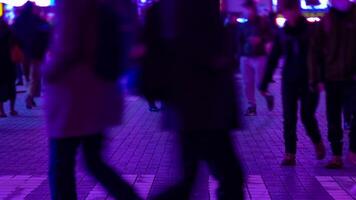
{"type": "Point", "coordinates": [147, 158]}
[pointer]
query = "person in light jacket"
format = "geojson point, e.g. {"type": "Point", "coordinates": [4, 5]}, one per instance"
{"type": "Point", "coordinates": [82, 99]}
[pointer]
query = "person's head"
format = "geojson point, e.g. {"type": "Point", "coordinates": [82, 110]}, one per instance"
{"type": "Point", "coordinates": [342, 5]}
{"type": "Point", "coordinates": [290, 9]}
{"type": "Point", "coordinates": [249, 9]}
{"type": "Point", "coordinates": [28, 8]}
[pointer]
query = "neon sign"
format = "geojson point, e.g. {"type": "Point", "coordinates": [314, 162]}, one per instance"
{"type": "Point", "coordinates": [323, 4]}
{"type": "Point", "coordinates": [17, 3]}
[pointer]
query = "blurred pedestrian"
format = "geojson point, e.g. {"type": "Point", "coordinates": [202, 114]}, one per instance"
{"type": "Point", "coordinates": [33, 33]}
{"type": "Point", "coordinates": [196, 84]}
{"type": "Point", "coordinates": [254, 38]}
{"type": "Point", "coordinates": [82, 99]}
{"type": "Point", "coordinates": [8, 51]}
{"type": "Point", "coordinates": [347, 118]}
{"type": "Point", "coordinates": [333, 66]}
{"type": "Point", "coordinates": [292, 42]}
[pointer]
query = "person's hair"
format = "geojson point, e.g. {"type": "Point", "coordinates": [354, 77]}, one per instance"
{"type": "Point", "coordinates": [290, 5]}
{"type": "Point", "coordinates": [28, 7]}
{"type": "Point", "coordinates": [250, 4]}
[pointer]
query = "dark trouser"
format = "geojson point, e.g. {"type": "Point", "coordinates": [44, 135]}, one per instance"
{"type": "Point", "coordinates": [340, 95]}
{"type": "Point", "coordinates": [62, 165]}
{"type": "Point", "coordinates": [19, 74]}
{"type": "Point", "coordinates": [347, 115]}
{"type": "Point", "coordinates": [216, 148]}
{"type": "Point", "coordinates": [292, 93]}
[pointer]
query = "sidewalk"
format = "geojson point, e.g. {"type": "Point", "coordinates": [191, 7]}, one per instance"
{"type": "Point", "coordinates": [146, 157]}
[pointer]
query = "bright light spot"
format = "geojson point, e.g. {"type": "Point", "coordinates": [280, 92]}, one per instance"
{"type": "Point", "coordinates": [280, 21]}
{"type": "Point", "coordinates": [242, 20]}
{"type": "Point", "coordinates": [323, 5]}
{"type": "Point", "coordinates": [313, 19]}
{"type": "Point", "coordinates": [143, 1]}
{"type": "Point", "coordinates": [17, 3]}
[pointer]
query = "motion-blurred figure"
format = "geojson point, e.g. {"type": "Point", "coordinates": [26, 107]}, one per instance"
{"type": "Point", "coordinates": [33, 34]}
{"type": "Point", "coordinates": [7, 69]}
{"type": "Point", "coordinates": [253, 41]}
{"type": "Point", "coordinates": [292, 42]}
{"type": "Point", "coordinates": [333, 64]}
{"type": "Point", "coordinates": [82, 99]}
{"type": "Point", "coordinates": [196, 83]}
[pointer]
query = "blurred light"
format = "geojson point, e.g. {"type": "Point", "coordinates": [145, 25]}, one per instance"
{"type": "Point", "coordinates": [1, 9]}
{"type": "Point", "coordinates": [143, 1]}
{"type": "Point", "coordinates": [323, 5]}
{"type": "Point", "coordinates": [303, 4]}
{"type": "Point", "coordinates": [242, 20]}
{"type": "Point", "coordinates": [313, 19]}
{"type": "Point", "coordinates": [17, 3]}
{"type": "Point", "coordinates": [274, 5]}
{"type": "Point", "coordinates": [280, 21]}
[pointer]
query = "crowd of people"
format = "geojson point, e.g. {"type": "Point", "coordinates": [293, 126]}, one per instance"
{"type": "Point", "coordinates": [23, 50]}
{"type": "Point", "coordinates": [186, 61]}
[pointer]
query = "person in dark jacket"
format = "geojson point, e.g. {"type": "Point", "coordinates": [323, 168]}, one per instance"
{"type": "Point", "coordinates": [333, 67]}
{"type": "Point", "coordinates": [292, 43]}
{"type": "Point", "coordinates": [254, 37]}
{"type": "Point", "coordinates": [198, 88]}
{"type": "Point", "coordinates": [33, 34]}
{"type": "Point", "coordinates": [7, 69]}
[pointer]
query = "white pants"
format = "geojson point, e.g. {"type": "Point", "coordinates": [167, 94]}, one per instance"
{"type": "Point", "coordinates": [253, 70]}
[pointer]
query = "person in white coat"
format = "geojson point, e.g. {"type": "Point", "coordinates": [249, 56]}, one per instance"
{"type": "Point", "coordinates": [82, 99]}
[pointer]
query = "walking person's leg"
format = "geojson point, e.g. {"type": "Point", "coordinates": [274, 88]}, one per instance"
{"type": "Point", "coordinates": [12, 89]}
{"type": "Point", "coordinates": [111, 181]}
{"type": "Point", "coordinates": [34, 89]}
{"type": "Point", "coordinates": [62, 168]}
{"type": "Point", "coordinates": [26, 68]}
{"type": "Point", "coordinates": [347, 117]}
{"type": "Point", "coordinates": [350, 100]}
{"type": "Point", "coordinates": [334, 118]}
{"type": "Point", "coordinates": [290, 107]}
{"type": "Point", "coordinates": [260, 67]}
{"type": "Point", "coordinates": [2, 110]}
{"type": "Point", "coordinates": [19, 75]}
{"type": "Point", "coordinates": [190, 145]}
{"type": "Point", "coordinates": [309, 105]}
{"type": "Point", "coordinates": [224, 164]}
{"type": "Point", "coordinates": [248, 74]}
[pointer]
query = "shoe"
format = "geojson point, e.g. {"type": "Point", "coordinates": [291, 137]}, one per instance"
{"type": "Point", "coordinates": [289, 160]}
{"type": "Point", "coordinates": [14, 113]}
{"type": "Point", "coordinates": [154, 109]}
{"type": "Point", "coordinates": [352, 158]}
{"type": "Point", "coordinates": [270, 102]}
{"type": "Point", "coordinates": [335, 163]}
{"type": "Point", "coordinates": [320, 151]}
{"type": "Point", "coordinates": [251, 111]}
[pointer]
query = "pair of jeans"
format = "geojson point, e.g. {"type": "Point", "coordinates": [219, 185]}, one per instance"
{"type": "Point", "coordinates": [217, 150]}
{"type": "Point", "coordinates": [292, 94]}
{"type": "Point", "coordinates": [252, 69]}
{"type": "Point", "coordinates": [62, 168]}
{"type": "Point", "coordinates": [339, 95]}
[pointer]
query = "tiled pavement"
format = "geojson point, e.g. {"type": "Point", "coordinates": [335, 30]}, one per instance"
{"type": "Point", "coordinates": [146, 156]}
